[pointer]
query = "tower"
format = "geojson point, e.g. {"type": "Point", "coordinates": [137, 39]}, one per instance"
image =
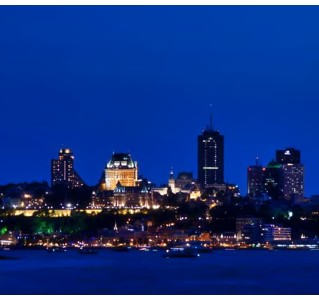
{"type": "Point", "coordinates": [285, 177]}
{"type": "Point", "coordinates": [255, 179]}
{"type": "Point", "coordinates": [274, 181]}
{"type": "Point", "coordinates": [293, 174]}
{"type": "Point", "coordinates": [63, 172]}
{"type": "Point", "coordinates": [210, 162]}
{"type": "Point", "coordinates": [171, 180]}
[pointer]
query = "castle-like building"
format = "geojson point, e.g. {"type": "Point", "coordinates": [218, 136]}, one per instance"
{"type": "Point", "coordinates": [120, 169]}
{"type": "Point", "coordinates": [119, 185]}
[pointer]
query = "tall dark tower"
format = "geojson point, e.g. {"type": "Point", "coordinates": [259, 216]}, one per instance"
{"type": "Point", "coordinates": [210, 156]}
{"type": "Point", "coordinates": [255, 179]}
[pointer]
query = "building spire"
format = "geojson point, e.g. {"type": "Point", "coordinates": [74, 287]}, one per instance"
{"type": "Point", "coordinates": [171, 174]}
{"type": "Point", "coordinates": [211, 118]}
{"type": "Point", "coordinates": [257, 161]}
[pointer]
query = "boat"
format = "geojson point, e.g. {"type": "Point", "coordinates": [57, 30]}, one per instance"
{"type": "Point", "coordinates": [181, 252]}
{"type": "Point", "coordinates": [87, 251]}
{"type": "Point", "coordinates": [120, 248]}
{"type": "Point", "coordinates": [56, 249]}
{"type": "Point", "coordinates": [4, 257]}
{"type": "Point", "coordinates": [200, 247]}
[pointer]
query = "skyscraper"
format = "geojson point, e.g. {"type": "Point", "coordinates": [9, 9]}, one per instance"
{"type": "Point", "coordinates": [255, 179]}
{"type": "Point", "coordinates": [210, 157]}
{"type": "Point", "coordinates": [293, 174]}
{"type": "Point", "coordinates": [274, 181]}
{"type": "Point", "coordinates": [62, 171]}
{"type": "Point", "coordinates": [284, 177]}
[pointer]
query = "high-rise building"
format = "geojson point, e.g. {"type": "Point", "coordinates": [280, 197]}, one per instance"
{"type": "Point", "coordinates": [210, 157]}
{"type": "Point", "coordinates": [63, 172]}
{"type": "Point", "coordinates": [293, 182]}
{"type": "Point", "coordinates": [284, 178]}
{"type": "Point", "coordinates": [274, 181]}
{"type": "Point", "coordinates": [121, 169]}
{"type": "Point", "coordinates": [255, 179]}
{"type": "Point", "coordinates": [293, 174]}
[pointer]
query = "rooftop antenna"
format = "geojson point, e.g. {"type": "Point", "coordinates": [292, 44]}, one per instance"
{"type": "Point", "coordinates": [257, 161]}
{"type": "Point", "coordinates": [211, 118]}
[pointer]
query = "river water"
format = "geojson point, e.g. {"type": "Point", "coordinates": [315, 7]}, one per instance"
{"type": "Point", "coordinates": [241, 272]}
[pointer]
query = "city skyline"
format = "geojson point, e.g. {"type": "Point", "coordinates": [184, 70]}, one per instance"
{"type": "Point", "coordinates": [104, 79]}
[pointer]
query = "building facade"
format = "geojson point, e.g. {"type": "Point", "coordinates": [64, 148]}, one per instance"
{"type": "Point", "coordinates": [255, 180]}
{"type": "Point", "coordinates": [63, 172]}
{"type": "Point", "coordinates": [288, 156]}
{"type": "Point", "coordinates": [272, 232]}
{"type": "Point", "coordinates": [284, 177]}
{"type": "Point", "coordinates": [248, 229]}
{"type": "Point", "coordinates": [293, 182]}
{"type": "Point", "coordinates": [120, 169]}
{"type": "Point", "coordinates": [210, 157]}
{"type": "Point", "coordinates": [274, 181]}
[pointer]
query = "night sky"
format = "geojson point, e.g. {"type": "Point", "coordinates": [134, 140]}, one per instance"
{"type": "Point", "coordinates": [140, 79]}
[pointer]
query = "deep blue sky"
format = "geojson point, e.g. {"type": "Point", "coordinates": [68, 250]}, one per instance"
{"type": "Point", "coordinates": [140, 79]}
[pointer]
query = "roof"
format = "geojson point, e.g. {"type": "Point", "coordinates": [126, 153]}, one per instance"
{"type": "Point", "coordinates": [121, 161]}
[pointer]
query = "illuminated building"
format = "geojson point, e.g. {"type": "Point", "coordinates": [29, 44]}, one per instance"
{"type": "Point", "coordinates": [170, 186]}
{"type": "Point", "coordinates": [62, 171]}
{"type": "Point", "coordinates": [293, 182]}
{"type": "Point", "coordinates": [248, 229]}
{"type": "Point", "coordinates": [121, 169]}
{"type": "Point", "coordinates": [271, 232]}
{"type": "Point", "coordinates": [8, 239]}
{"type": "Point", "coordinates": [293, 174]}
{"type": "Point", "coordinates": [136, 196]}
{"type": "Point", "coordinates": [284, 178]}
{"type": "Point", "coordinates": [120, 187]}
{"type": "Point", "coordinates": [255, 180]}
{"type": "Point", "coordinates": [227, 238]}
{"type": "Point", "coordinates": [184, 186]}
{"type": "Point", "coordinates": [210, 157]}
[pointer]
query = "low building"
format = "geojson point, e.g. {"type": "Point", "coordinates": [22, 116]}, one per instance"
{"type": "Point", "coordinates": [181, 185]}
{"type": "Point", "coordinates": [9, 202]}
{"type": "Point", "coordinates": [272, 232]}
{"type": "Point", "coordinates": [8, 239]}
{"type": "Point", "coordinates": [248, 229]}
{"type": "Point", "coordinates": [226, 239]}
